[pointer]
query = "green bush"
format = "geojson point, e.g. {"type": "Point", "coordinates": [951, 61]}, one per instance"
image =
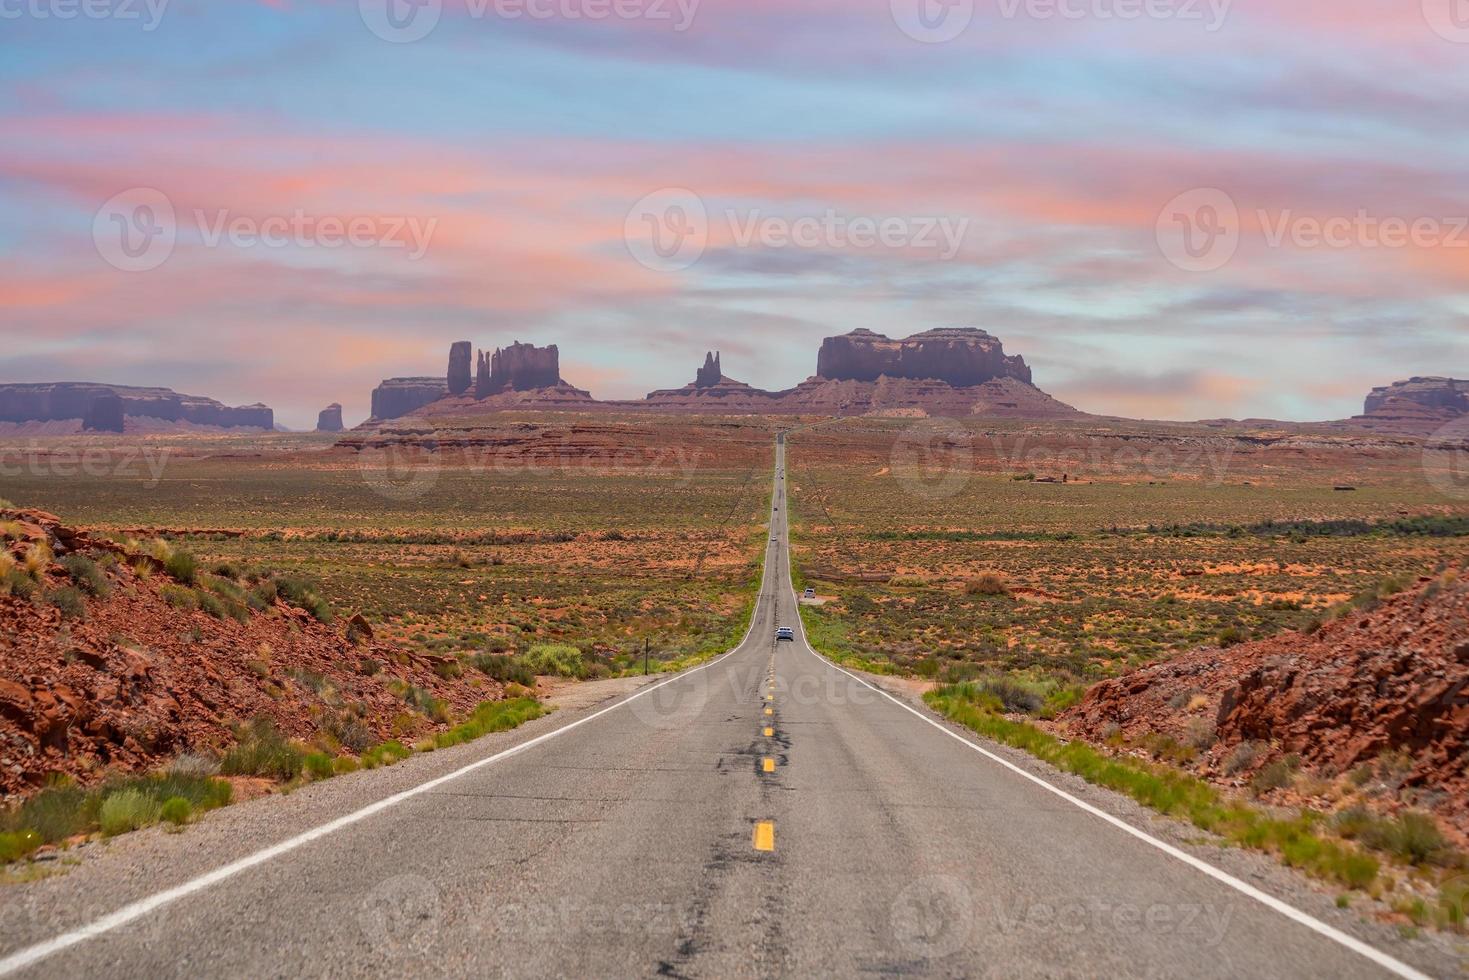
{"type": "Point", "coordinates": [556, 659]}
{"type": "Point", "coordinates": [261, 595]}
{"type": "Point", "coordinates": [126, 810]}
{"type": "Point", "coordinates": [1412, 836]}
{"type": "Point", "coordinates": [176, 810]}
{"type": "Point", "coordinates": [182, 566]}
{"type": "Point", "coordinates": [424, 701]}
{"type": "Point", "coordinates": [211, 604]}
{"type": "Point", "coordinates": [17, 844]}
{"type": "Point", "coordinates": [300, 594]}
{"type": "Point", "coordinates": [385, 754]}
{"type": "Point", "coordinates": [15, 582]}
{"type": "Point", "coordinates": [86, 574]}
{"type": "Point", "coordinates": [69, 600]}
{"type": "Point", "coordinates": [178, 596]}
{"type": "Point", "coordinates": [491, 716]}
{"type": "Point", "coordinates": [262, 751]}
{"type": "Point", "coordinates": [319, 766]}
{"type": "Point", "coordinates": [501, 667]}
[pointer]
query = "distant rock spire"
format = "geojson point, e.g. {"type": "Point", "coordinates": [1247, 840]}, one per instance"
{"type": "Point", "coordinates": [710, 374]}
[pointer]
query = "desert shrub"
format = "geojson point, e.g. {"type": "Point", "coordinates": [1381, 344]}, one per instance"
{"type": "Point", "coordinates": [1231, 636]}
{"type": "Point", "coordinates": [300, 594]}
{"type": "Point", "coordinates": [1242, 757]}
{"type": "Point", "coordinates": [227, 569]}
{"type": "Point", "coordinates": [15, 582]}
{"type": "Point", "coordinates": [987, 583]}
{"type": "Point", "coordinates": [179, 596]}
{"type": "Point", "coordinates": [262, 751]}
{"type": "Point", "coordinates": [1200, 733]}
{"type": "Point", "coordinates": [69, 600]}
{"type": "Point", "coordinates": [37, 558]}
{"type": "Point", "coordinates": [385, 754]}
{"type": "Point", "coordinates": [59, 811]}
{"type": "Point", "coordinates": [555, 659]}
{"type": "Point", "coordinates": [491, 716]}
{"type": "Point", "coordinates": [318, 765]}
{"type": "Point", "coordinates": [211, 604]}
{"type": "Point", "coordinates": [261, 595]}
{"type": "Point", "coordinates": [369, 666]}
{"type": "Point", "coordinates": [126, 810]}
{"type": "Point", "coordinates": [17, 844]}
{"type": "Point", "coordinates": [350, 731]}
{"type": "Point", "coordinates": [182, 566]}
{"type": "Point", "coordinates": [1276, 775]}
{"type": "Point", "coordinates": [1011, 695]}
{"type": "Point", "coordinates": [176, 810]}
{"type": "Point", "coordinates": [449, 670]}
{"type": "Point", "coordinates": [224, 588]}
{"type": "Point", "coordinates": [194, 765]}
{"type": "Point", "coordinates": [1412, 836]}
{"type": "Point", "coordinates": [86, 574]}
{"type": "Point", "coordinates": [425, 702]}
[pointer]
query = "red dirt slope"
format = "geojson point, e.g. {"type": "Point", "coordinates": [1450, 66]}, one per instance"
{"type": "Point", "coordinates": [1390, 678]}
{"type": "Point", "coordinates": [136, 681]}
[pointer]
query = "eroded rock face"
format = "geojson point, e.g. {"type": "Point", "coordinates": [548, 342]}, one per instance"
{"type": "Point", "coordinates": [1417, 405]}
{"type": "Point", "coordinates": [519, 367]}
{"type": "Point", "coordinates": [105, 414]}
{"type": "Point", "coordinates": [460, 357]}
{"type": "Point", "coordinates": [330, 419]}
{"type": "Point", "coordinates": [710, 374]}
{"type": "Point", "coordinates": [961, 356]}
{"type": "Point", "coordinates": [1448, 394]}
{"type": "Point", "coordinates": [53, 401]}
{"type": "Point", "coordinates": [397, 397]}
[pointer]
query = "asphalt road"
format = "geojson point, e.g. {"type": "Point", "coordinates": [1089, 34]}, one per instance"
{"type": "Point", "coordinates": [766, 815]}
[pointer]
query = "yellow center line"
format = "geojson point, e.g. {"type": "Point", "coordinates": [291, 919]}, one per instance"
{"type": "Point", "coordinates": [770, 697]}
{"type": "Point", "coordinates": [765, 835]}
{"type": "Point", "coordinates": [770, 733]}
{"type": "Point", "coordinates": [767, 764]}
{"type": "Point", "coordinates": [770, 711]}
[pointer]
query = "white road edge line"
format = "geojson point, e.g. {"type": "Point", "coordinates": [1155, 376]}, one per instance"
{"type": "Point", "coordinates": [30, 955]}
{"type": "Point", "coordinates": [1270, 901]}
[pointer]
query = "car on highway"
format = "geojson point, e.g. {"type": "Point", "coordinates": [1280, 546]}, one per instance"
{"type": "Point", "coordinates": [784, 633]}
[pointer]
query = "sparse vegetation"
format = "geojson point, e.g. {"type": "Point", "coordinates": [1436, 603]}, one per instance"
{"type": "Point", "coordinates": [88, 576]}
{"type": "Point", "coordinates": [262, 751]}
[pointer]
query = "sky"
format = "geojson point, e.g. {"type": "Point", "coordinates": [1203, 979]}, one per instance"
{"type": "Point", "coordinates": [1171, 208]}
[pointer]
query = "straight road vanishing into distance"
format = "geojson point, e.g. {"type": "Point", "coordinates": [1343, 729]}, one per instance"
{"type": "Point", "coordinates": [767, 814]}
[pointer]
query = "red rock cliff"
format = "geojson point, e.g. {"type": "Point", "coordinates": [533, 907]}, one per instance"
{"type": "Point", "coordinates": [961, 356]}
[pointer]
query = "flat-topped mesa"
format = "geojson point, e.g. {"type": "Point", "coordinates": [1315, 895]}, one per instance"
{"type": "Point", "coordinates": [461, 355]}
{"type": "Point", "coordinates": [397, 397]}
{"type": "Point", "coordinates": [1439, 394]}
{"type": "Point", "coordinates": [330, 419]}
{"type": "Point", "coordinates": [61, 400]}
{"type": "Point", "coordinates": [519, 367]}
{"type": "Point", "coordinates": [710, 374]}
{"type": "Point", "coordinates": [960, 356]}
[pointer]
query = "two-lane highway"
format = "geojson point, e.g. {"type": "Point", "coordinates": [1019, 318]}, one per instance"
{"type": "Point", "coordinates": [768, 814]}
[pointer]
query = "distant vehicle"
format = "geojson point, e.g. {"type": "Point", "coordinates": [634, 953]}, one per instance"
{"type": "Point", "coordinates": [784, 633]}
{"type": "Point", "coordinates": [810, 593]}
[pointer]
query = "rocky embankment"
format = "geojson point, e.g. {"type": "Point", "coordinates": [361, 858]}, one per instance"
{"type": "Point", "coordinates": [110, 663]}
{"type": "Point", "coordinates": [1389, 679]}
